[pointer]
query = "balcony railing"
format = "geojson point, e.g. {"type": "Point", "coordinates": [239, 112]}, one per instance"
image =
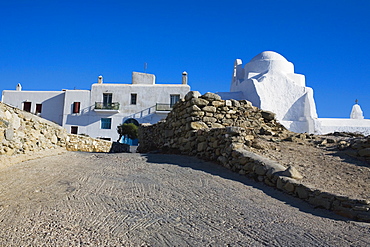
{"type": "Point", "coordinates": [163, 107]}
{"type": "Point", "coordinates": [105, 106]}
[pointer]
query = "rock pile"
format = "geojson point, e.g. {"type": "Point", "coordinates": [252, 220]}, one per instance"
{"type": "Point", "coordinates": [357, 147]}
{"type": "Point", "coordinates": [198, 116]}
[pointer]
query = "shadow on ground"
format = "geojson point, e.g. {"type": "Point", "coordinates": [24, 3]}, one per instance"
{"type": "Point", "coordinates": [358, 161]}
{"type": "Point", "coordinates": [217, 170]}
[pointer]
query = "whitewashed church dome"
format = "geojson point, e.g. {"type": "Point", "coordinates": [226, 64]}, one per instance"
{"type": "Point", "coordinates": [268, 55]}
{"type": "Point", "coordinates": [269, 61]}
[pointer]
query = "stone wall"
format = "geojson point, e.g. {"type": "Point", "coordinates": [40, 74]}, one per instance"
{"type": "Point", "coordinates": [222, 130]}
{"type": "Point", "coordinates": [24, 136]}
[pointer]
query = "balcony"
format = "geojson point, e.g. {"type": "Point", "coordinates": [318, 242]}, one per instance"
{"type": "Point", "coordinates": [163, 107]}
{"type": "Point", "coordinates": [106, 107]}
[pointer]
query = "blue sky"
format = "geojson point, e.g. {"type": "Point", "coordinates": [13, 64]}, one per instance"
{"type": "Point", "coordinates": [54, 44]}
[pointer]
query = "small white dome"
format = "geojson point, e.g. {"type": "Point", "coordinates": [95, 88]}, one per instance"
{"type": "Point", "coordinates": [269, 61]}
{"type": "Point", "coordinates": [269, 55]}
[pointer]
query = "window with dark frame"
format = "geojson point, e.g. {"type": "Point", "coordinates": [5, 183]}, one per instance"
{"type": "Point", "coordinates": [74, 130]}
{"type": "Point", "coordinates": [76, 107]}
{"type": "Point", "coordinates": [133, 99]}
{"type": "Point", "coordinates": [106, 123]}
{"type": "Point", "coordinates": [38, 108]}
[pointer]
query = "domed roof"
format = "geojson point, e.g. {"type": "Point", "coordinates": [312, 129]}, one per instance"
{"type": "Point", "coordinates": [268, 55]}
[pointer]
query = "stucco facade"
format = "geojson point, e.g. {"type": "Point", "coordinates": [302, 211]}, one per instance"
{"type": "Point", "coordinates": [97, 112]}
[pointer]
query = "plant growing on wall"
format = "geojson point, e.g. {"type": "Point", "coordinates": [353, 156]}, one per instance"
{"type": "Point", "coordinates": [129, 130]}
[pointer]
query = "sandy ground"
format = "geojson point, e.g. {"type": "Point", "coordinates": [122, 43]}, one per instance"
{"type": "Point", "coordinates": [81, 199]}
{"type": "Point", "coordinates": [323, 166]}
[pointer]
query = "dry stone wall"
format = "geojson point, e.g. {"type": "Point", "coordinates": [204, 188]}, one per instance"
{"type": "Point", "coordinates": [222, 130]}
{"type": "Point", "coordinates": [24, 135]}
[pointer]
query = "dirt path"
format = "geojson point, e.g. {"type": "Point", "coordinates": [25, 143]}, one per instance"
{"type": "Point", "coordinates": [80, 199]}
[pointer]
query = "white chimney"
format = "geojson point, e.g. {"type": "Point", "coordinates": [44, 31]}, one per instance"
{"type": "Point", "coordinates": [19, 87]}
{"type": "Point", "coordinates": [100, 79]}
{"type": "Point", "coordinates": [184, 77]}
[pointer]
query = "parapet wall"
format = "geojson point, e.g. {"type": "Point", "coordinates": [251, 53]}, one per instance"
{"type": "Point", "coordinates": [24, 135]}
{"type": "Point", "coordinates": [222, 130]}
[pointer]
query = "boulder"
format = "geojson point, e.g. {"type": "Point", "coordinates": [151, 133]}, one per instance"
{"type": "Point", "coordinates": [198, 125]}
{"type": "Point", "coordinates": [292, 172]}
{"type": "Point", "coordinates": [192, 94]}
{"type": "Point", "coordinates": [211, 96]}
{"type": "Point", "coordinates": [268, 115]}
{"type": "Point", "coordinates": [199, 102]}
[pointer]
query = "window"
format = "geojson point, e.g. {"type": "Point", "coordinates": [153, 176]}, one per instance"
{"type": "Point", "coordinates": [74, 130]}
{"type": "Point", "coordinates": [107, 99]}
{"type": "Point", "coordinates": [76, 107]}
{"type": "Point", "coordinates": [38, 108]}
{"type": "Point", "coordinates": [174, 98]}
{"type": "Point", "coordinates": [133, 98]}
{"type": "Point", "coordinates": [27, 106]}
{"type": "Point", "coordinates": [105, 138]}
{"type": "Point", "coordinates": [106, 123]}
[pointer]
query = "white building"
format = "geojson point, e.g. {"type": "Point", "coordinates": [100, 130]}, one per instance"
{"type": "Point", "coordinates": [269, 82]}
{"type": "Point", "coordinates": [97, 112]}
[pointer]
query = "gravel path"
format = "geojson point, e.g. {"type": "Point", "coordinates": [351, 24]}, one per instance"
{"type": "Point", "coordinates": [80, 199]}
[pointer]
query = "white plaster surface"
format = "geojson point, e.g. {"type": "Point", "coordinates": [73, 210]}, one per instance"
{"type": "Point", "coordinates": [330, 125]}
{"type": "Point", "coordinates": [143, 78]}
{"type": "Point", "coordinates": [52, 102]}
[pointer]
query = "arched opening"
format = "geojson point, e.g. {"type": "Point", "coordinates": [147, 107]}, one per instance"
{"type": "Point", "coordinates": [126, 140]}
{"type": "Point", "coordinates": [132, 120]}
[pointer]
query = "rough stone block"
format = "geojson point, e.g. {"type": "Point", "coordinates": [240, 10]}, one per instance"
{"type": "Point", "coordinates": [199, 102]}
{"type": "Point", "coordinates": [202, 146]}
{"type": "Point", "coordinates": [211, 96]}
{"type": "Point", "coordinates": [209, 109]}
{"type": "Point", "coordinates": [9, 134]}
{"type": "Point", "coordinates": [292, 172]}
{"type": "Point", "coordinates": [217, 125]}
{"type": "Point", "coordinates": [209, 119]}
{"type": "Point", "coordinates": [260, 169]}
{"type": "Point", "coordinates": [192, 94]}
{"type": "Point", "coordinates": [320, 202]}
{"type": "Point", "coordinates": [289, 187]}
{"type": "Point", "coordinates": [198, 125]}
{"type": "Point", "coordinates": [301, 192]}
{"type": "Point", "coordinates": [218, 103]}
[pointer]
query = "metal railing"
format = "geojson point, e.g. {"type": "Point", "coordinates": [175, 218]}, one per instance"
{"type": "Point", "coordinates": [109, 106]}
{"type": "Point", "coordinates": [163, 107]}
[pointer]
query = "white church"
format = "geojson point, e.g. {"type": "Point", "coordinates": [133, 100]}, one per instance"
{"type": "Point", "coordinates": [97, 112]}
{"type": "Point", "coordinates": [269, 82]}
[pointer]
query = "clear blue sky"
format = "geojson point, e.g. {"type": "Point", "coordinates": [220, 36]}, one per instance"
{"type": "Point", "coordinates": [67, 44]}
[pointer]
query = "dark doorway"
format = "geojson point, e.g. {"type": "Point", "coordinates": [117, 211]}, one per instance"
{"type": "Point", "coordinates": [38, 108]}
{"type": "Point", "coordinates": [27, 106]}
{"type": "Point", "coordinates": [74, 130]}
